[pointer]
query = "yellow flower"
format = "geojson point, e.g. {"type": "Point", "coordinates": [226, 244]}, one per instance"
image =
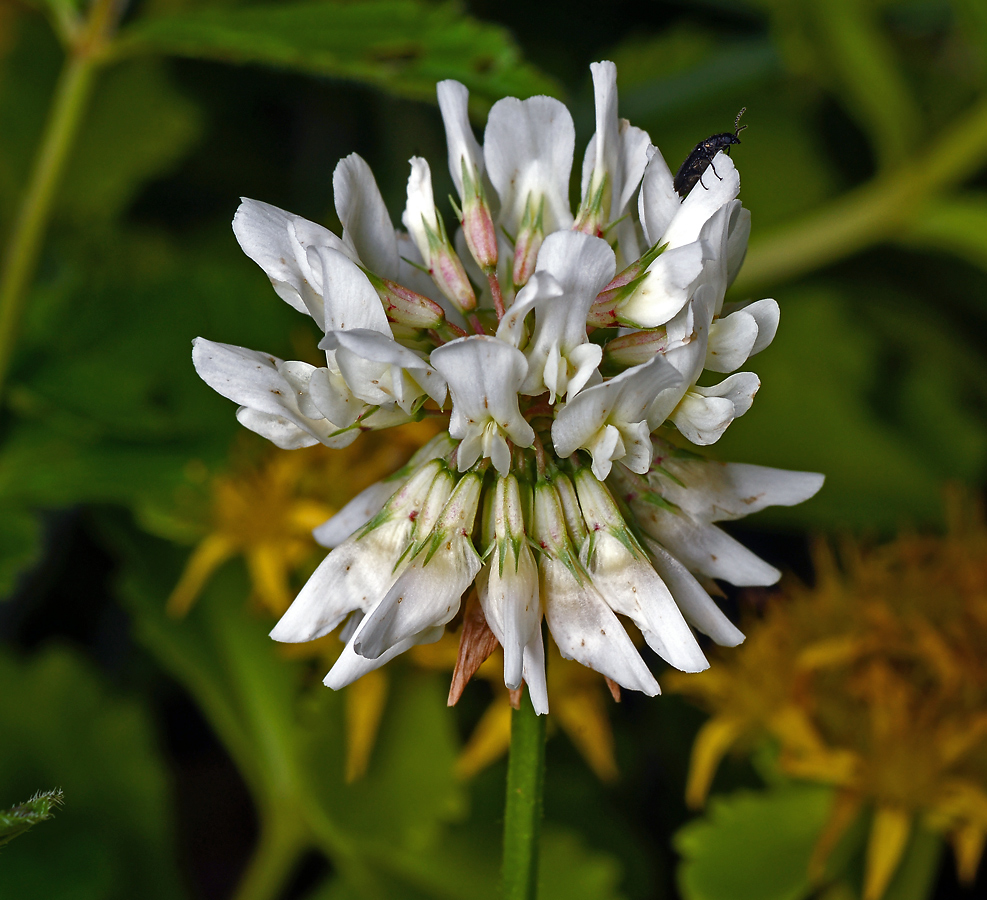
{"type": "Point", "coordinates": [265, 511]}
{"type": "Point", "coordinates": [873, 681]}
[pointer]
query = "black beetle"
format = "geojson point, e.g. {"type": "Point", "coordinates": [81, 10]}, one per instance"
{"type": "Point", "coordinates": [696, 162]}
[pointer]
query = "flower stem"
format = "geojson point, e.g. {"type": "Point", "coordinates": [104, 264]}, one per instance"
{"type": "Point", "coordinates": [523, 810]}
{"type": "Point", "coordinates": [71, 98]}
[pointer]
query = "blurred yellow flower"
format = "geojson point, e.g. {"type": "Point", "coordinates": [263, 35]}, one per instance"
{"type": "Point", "coordinates": [873, 681]}
{"type": "Point", "coordinates": [265, 511]}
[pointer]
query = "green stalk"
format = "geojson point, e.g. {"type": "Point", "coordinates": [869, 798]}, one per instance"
{"type": "Point", "coordinates": [281, 843]}
{"type": "Point", "coordinates": [68, 105]}
{"type": "Point", "coordinates": [523, 810]}
{"type": "Point", "coordinates": [879, 210]}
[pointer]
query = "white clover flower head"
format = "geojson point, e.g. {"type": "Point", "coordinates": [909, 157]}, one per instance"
{"type": "Point", "coordinates": [565, 352]}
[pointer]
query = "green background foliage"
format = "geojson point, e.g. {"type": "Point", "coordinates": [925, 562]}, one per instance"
{"type": "Point", "coordinates": [187, 748]}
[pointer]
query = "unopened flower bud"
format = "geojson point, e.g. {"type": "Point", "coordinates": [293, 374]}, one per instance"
{"type": "Point", "coordinates": [549, 531]}
{"type": "Point", "coordinates": [591, 217]}
{"type": "Point", "coordinates": [634, 349]}
{"type": "Point", "coordinates": [478, 224]}
{"type": "Point", "coordinates": [528, 242]}
{"type": "Point", "coordinates": [405, 306]}
{"type": "Point", "coordinates": [604, 313]}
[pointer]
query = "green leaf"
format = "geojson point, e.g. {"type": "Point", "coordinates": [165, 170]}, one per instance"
{"type": "Point", "coordinates": [60, 724]}
{"type": "Point", "coordinates": [753, 845]}
{"type": "Point", "coordinates": [137, 128]}
{"type": "Point", "coordinates": [823, 406]}
{"type": "Point", "coordinates": [954, 224]}
{"type": "Point", "coordinates": [20, 818]}
{"type": "Point", "coordinates": [402, 46]}
{"type": "Point", "coordinates": [20, 544]}
{"type": "Point", "coordinates": [857, 49]}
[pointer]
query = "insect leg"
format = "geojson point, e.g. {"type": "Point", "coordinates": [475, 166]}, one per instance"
{"type": "Point", "coordinates": [717, 174]}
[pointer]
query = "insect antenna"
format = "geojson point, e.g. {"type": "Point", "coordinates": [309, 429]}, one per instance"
{"type": "Point", "coordinates": [737, 127]}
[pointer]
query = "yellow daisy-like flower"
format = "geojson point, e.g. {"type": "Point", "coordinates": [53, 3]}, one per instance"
{"type": "Point", "coordinates": [873, 681]}
{"type": "Point", "coordinates": [265, 511]}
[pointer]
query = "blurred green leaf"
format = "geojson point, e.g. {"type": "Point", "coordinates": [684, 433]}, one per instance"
{"type": "Point", "coordinates": [20, 818]}
{"type": "Point", "coordinates": [403, 46]}
{"type": "Point", "coordinates": [20, 544]}
{"type": "Point", "coordinates": [823, 407]}
{"type": "Point", "coordinates": [753, 846]}
{"type": "Point", "coordinates": [857, 49]}
{"type": "Point", "coordinates": [957, 225]}
{"type": "Point", "coordinates": [112, 840]}
{"type": "Point", "coordinates": [137, 128]}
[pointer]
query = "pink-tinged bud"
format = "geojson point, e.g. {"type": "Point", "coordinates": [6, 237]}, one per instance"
{"type": "Point", "coordinates": [634, 349]}
{"type": "Point", "coordinates": [604, 312]}
{"type": "Point", "coordinates": [549, 531]}
{"type": "Point", "coordinates": [591, 219]}
{"type": "Point", "coordinates": [448, 273]}
{"type": "Point", "coordinates": [528, 243]}
{"type": "Point", "coordinates": [405, 306]}
{"type": "Point", "coordinates": [478, 224]}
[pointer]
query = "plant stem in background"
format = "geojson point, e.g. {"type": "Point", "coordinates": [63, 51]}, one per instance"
{"type": "Point", "coordinates": [282, 841]}
{"type": "Point", "coordinates": [882, 209]}
{"type": "Point", "coordinates": [523, 810]}
{"type": "Point", "coordinates": [68, 105]}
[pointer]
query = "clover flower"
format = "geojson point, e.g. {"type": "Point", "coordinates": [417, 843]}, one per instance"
{"type": "Point", "coordinates": [566, 351]}
{"type": "Point", "coordinates": [873, 681]}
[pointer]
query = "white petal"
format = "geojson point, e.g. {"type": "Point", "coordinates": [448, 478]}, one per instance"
{"type": "Point", "coordinates": [355, 514]}
{"type": "Point", "coordinates": [687, 359]}
{"type": "Point", "coordinates": [484, 374]}
{"type": "Point", "coordinates": [622, 401]}
{"type": "Point", "coordinates": [585, 629]}
{"type": "Point", "coordinates": [633, 588]}
{"type": "Point", "coordinates": [582, 265]}
{"type": "Point", "coordinates": [658, 202]}
{"type": "Point", "coordinates": [740, 232]}
{"type": "Point", "coordinates": [454, 105]}
{"type": "Point", "coordinates": [731, 341]}
{"type": "Point", "coordinates": [252, 379]}
{"type": "Point", "coordinates": [420, 208]}
{"type": "Point", "coordinates": [541, 287]}
{"type": "Point", "coordinates": [349, 578]}
{"type": "Point", "coordinates": [738, 388]}
{"type": "Point", "coordinates": [381, 348]}
{"type": "Point", "coordinates": [350, 666]}
{"type": "Point", "coordinates": [528, 146]}
{"type": "Point", "coordinates": [425, 595]}
{"type": "Point", "coordinates": [268, 235]}
{"type": "Point", "coordinates": [333, 398]}
{"type": "Point", "coordinates": [703, 200]}
{"type": "Point", "coordinates": [699, 609]}
{"type": "Point", "coordinates": [512, 607]}
{"type": "Point", "coordinates": [705, 549]}
{"type": "Point", "coordinates": [716, 491]}
{"type": "Point", "coordinates": [666, 287]}
{"type": "Point", "coordinates": [534, 673]}
{"type": "Point", "coordinates": [367, 226]}
{"type": "Point", "coordinates": [703, 420]}
{"type": "Point", "coordinates": [350, 298]}
{"type": "Point", "coordinates": [766, 313]}
{"type": "Point", "coordinates": [277, 429]}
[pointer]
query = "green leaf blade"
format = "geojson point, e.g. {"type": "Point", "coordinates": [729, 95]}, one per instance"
{"type": "Point", "coordinates": [20, 818]}
{"type": "Point", "coordinates": [403, 46]}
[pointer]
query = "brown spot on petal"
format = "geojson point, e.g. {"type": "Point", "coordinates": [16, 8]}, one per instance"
{"type": "Point", "coordinates": [614, 689]}
{"type": "Point", "coordinates": [476, 643]}
{"type": "Point", "coordinates": [516, 697]}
